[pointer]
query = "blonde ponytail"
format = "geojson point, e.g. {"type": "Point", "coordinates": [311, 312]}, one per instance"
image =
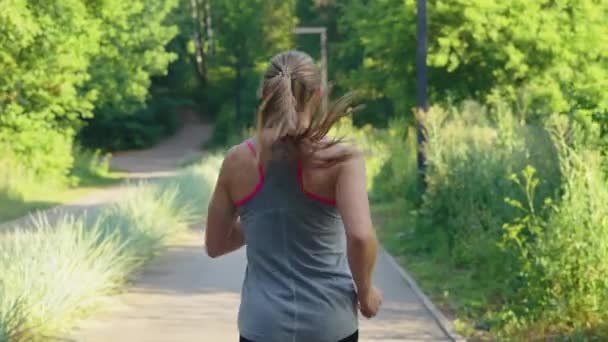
{"type": "Point", "coordinates": [290, 110]}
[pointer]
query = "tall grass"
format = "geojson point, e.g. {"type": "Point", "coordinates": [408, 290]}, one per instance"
{"type": "Point", "coordinates": [561, 247]}
{"type": "Point", "coordinates": [55, 273]}
{"type": "Point", "coordinates": [511, 230]}
{"type": "Point", "coordinates": [471, 153]}
{"type": "Point", "coordinates": [369, 140]}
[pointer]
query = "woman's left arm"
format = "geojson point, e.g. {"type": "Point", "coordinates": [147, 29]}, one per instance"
{"type": "Point", "coordinates": [224, 233]}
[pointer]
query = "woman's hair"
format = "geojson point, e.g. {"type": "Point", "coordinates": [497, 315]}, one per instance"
{"type": "Point", "coordinates": [290, 112]}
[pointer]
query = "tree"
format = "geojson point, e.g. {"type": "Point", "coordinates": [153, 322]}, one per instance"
{"type": "Point", "coordinates": [543, 56]}
{"type": "Point", "coordinates": [249, 32]}
{"type": "Point", "coordinates": [45, 52]}
{"type": "Point", "coordinates": [132, 51]}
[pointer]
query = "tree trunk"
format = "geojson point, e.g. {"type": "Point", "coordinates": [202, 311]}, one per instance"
{"type": "Point", "coordinates": [208, 27]}
{"type": "Point", "coordinates": [199, 58]}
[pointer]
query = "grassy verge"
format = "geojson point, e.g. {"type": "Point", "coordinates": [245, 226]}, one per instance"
{"type": "Point", "coordinates": [21, 193]}
{"type": "Point", "coordinates": [454, 292]}
{"type": "Point", "coordinates": [510, 232]}
{"type": "Point", "coordinates": [55, 274]}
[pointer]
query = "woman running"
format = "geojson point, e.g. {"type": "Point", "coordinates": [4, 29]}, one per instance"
{"type": "Point", "coordinates": [298, 200]}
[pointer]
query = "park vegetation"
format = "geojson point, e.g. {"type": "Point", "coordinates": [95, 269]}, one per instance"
{"type": "Point", "coordinates": [505, 229]}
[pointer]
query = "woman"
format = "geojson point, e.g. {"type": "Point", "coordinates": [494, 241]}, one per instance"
{"type": "Point", "coordinates": [299, 202]}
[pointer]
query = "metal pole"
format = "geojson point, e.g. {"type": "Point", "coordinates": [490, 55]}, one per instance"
{"type": "Point", "coordinates": [322, 32]}
{"type": "Point", "coordinates": [324, 69]}
{"type": "Point", "coordinates": [422, 104]}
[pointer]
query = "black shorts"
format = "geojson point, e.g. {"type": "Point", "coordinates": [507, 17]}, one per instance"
{"type": "Point", "coordinates": [352, 338]}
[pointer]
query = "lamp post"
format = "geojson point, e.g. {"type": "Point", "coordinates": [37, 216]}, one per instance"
{"type": "Point", "coordinates": [422, 104]}
{"type": "Point", "coordinates": [322, 32]}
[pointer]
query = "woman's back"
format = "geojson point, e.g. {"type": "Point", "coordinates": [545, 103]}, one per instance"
{"type": "Point", "coordinates": [308, 230]}
{"type": "Point", "coordinates": [298, 285]}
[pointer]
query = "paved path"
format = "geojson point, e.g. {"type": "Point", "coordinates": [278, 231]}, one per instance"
{"type": "Point", "coordinates": [184, 296]}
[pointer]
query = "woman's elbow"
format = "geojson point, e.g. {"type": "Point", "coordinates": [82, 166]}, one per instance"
{"type": "Point", "coordinates": [213, 252]}
{"type": "Point", "coordinates": [364, 238]}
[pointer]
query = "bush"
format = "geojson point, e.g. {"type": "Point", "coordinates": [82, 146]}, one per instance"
{"type": "Point", "coordinates": [44, 56]}
{"type": "Point", "coordinates": [470, 154]}
{"type": "Point", "coordinates": [225, 127]}
{"type": "Point", "coordinates": [23, 191]}
{"type": "Point", "coordinates": [369, 140]}
{"type": "Point", "coordinates": [51, 275]}
{"type": "Point", "coordinates": [397, 178]}
{"type": "Point", "coordinates": [46, 152]}
{"type": "Point", "coordinates": [15, 179]}
{"type": "Point", "coordinates": [562, 246]}
{"type": "Point", "coordinates": [89, 165]}
{"type": "Point", "coordinates": [141, 129]}
{"type": "Point", "coordinates": [511, 229]}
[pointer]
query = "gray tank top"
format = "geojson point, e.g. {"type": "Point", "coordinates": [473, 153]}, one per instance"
{"type": "Point", "coordinates": [298, 286]}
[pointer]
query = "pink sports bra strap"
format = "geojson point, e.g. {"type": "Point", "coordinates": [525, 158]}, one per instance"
{"type": "Point", "coordinates": [260, 183]}
{"type": "Point", "coordinates": [321, 199]}
{"type": "Point", "coordinates": [251, 146]}
{"type": "Point", "coordinates": [300, 173]}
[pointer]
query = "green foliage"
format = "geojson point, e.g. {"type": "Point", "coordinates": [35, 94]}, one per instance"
{"type": "Point", "coordinates": [182, 79]}
{"type": "Point", "coordinates": [561, 247]}
{"type": "Point", "coordinates": [62, 61]}
{"type": "Point", "coordinates": [369, 140]}
{"type": "Point", "coordinates": [45, 55]}
{"type": "Point", "coordinates": [15, 180]}
{"type": "Point", "coordinates": [143, 128]}
{"type": "Point", "coordinates": [376, 55]}
{"type": "Point", "coordinates": [51, 275]}
{"type": "Point", "coordinates": [510, 231]}
{"type": "Point", "coordinates": [249, 33]}
{"type": "Point", "coordinates": [89, 165]}
{"type": "Point", "coordinates": [224, 131]}
{"type": "Point", "coordinates": [543, 56]}
{"type": "Point", "coordinates": [397, 178]}
{"type": "Point", "coordinates": [22, 191]}
{"type": "Point", "coordinates": [132, 49]}
{"type": "Point", "coordinates": [470, 155]}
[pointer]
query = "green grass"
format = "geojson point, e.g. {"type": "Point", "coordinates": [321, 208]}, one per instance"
{"type": "Point", "coordinates": [453, 291]}
{"type": "Point", "coordinates": [510, 234]}
{"type": "Point", "coordinates": [44, 197]}
{"type": "Point", "coordinates": [55, 274]}
{"type": "Point", "coordinates": [22, 193]}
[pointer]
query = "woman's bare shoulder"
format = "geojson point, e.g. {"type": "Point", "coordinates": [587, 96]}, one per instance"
{"type": "Point", "coordinates": [237, 157]}
{"type": "Point", "coordinates": [341, 149]}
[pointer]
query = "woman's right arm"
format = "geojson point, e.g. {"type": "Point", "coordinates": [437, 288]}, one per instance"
{"type": "Point", "coordinates": [362, 244]}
